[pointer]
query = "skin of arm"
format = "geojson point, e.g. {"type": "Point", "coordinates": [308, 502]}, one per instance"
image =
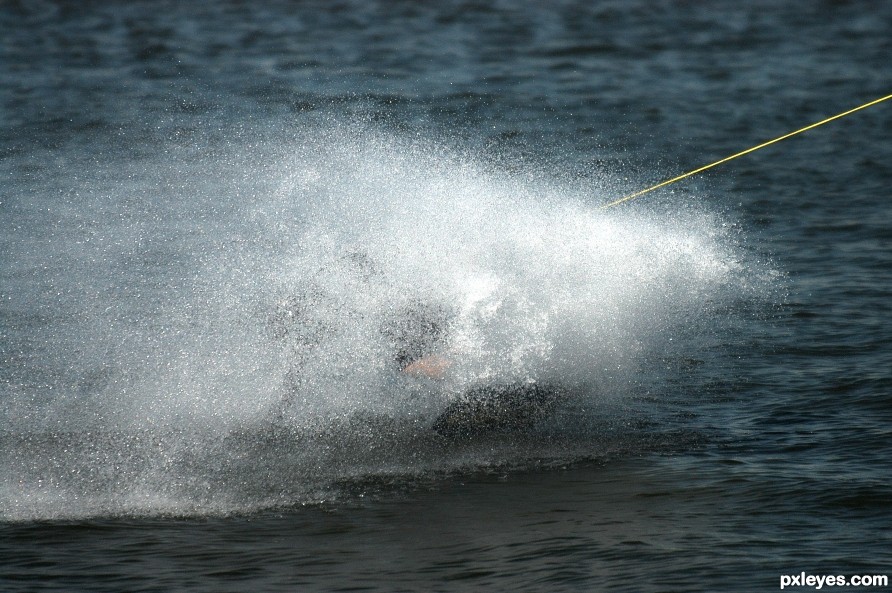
{"type": "Point", "coordinates": [432, 366]}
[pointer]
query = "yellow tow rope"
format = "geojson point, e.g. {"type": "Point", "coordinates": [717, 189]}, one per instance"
{"type": "Point", "coordinates": [747, 151]}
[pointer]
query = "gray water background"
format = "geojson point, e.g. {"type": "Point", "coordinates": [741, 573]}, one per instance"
{"type": "Point", "coordinates": [148, 165]}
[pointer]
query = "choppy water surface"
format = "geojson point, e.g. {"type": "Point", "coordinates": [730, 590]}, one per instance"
{"type": "Point", "coordinates": [217, 220]}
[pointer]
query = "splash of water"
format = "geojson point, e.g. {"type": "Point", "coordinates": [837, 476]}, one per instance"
{"type": "Point", "coordinates": [216, 332]}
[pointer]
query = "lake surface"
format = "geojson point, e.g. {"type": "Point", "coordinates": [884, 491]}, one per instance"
{"type": "Point", "coordinates": [216, 220]}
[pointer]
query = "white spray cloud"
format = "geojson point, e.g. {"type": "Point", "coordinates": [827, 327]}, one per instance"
{"type": "Point", "coordinates": [195, 299]}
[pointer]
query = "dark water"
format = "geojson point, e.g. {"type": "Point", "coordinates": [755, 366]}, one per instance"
{"type": "Point", "coordinates": [173, 174]}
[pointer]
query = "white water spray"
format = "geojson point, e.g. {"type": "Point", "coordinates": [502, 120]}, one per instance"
{"type": "Point", "coordinates": [190, 309]}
